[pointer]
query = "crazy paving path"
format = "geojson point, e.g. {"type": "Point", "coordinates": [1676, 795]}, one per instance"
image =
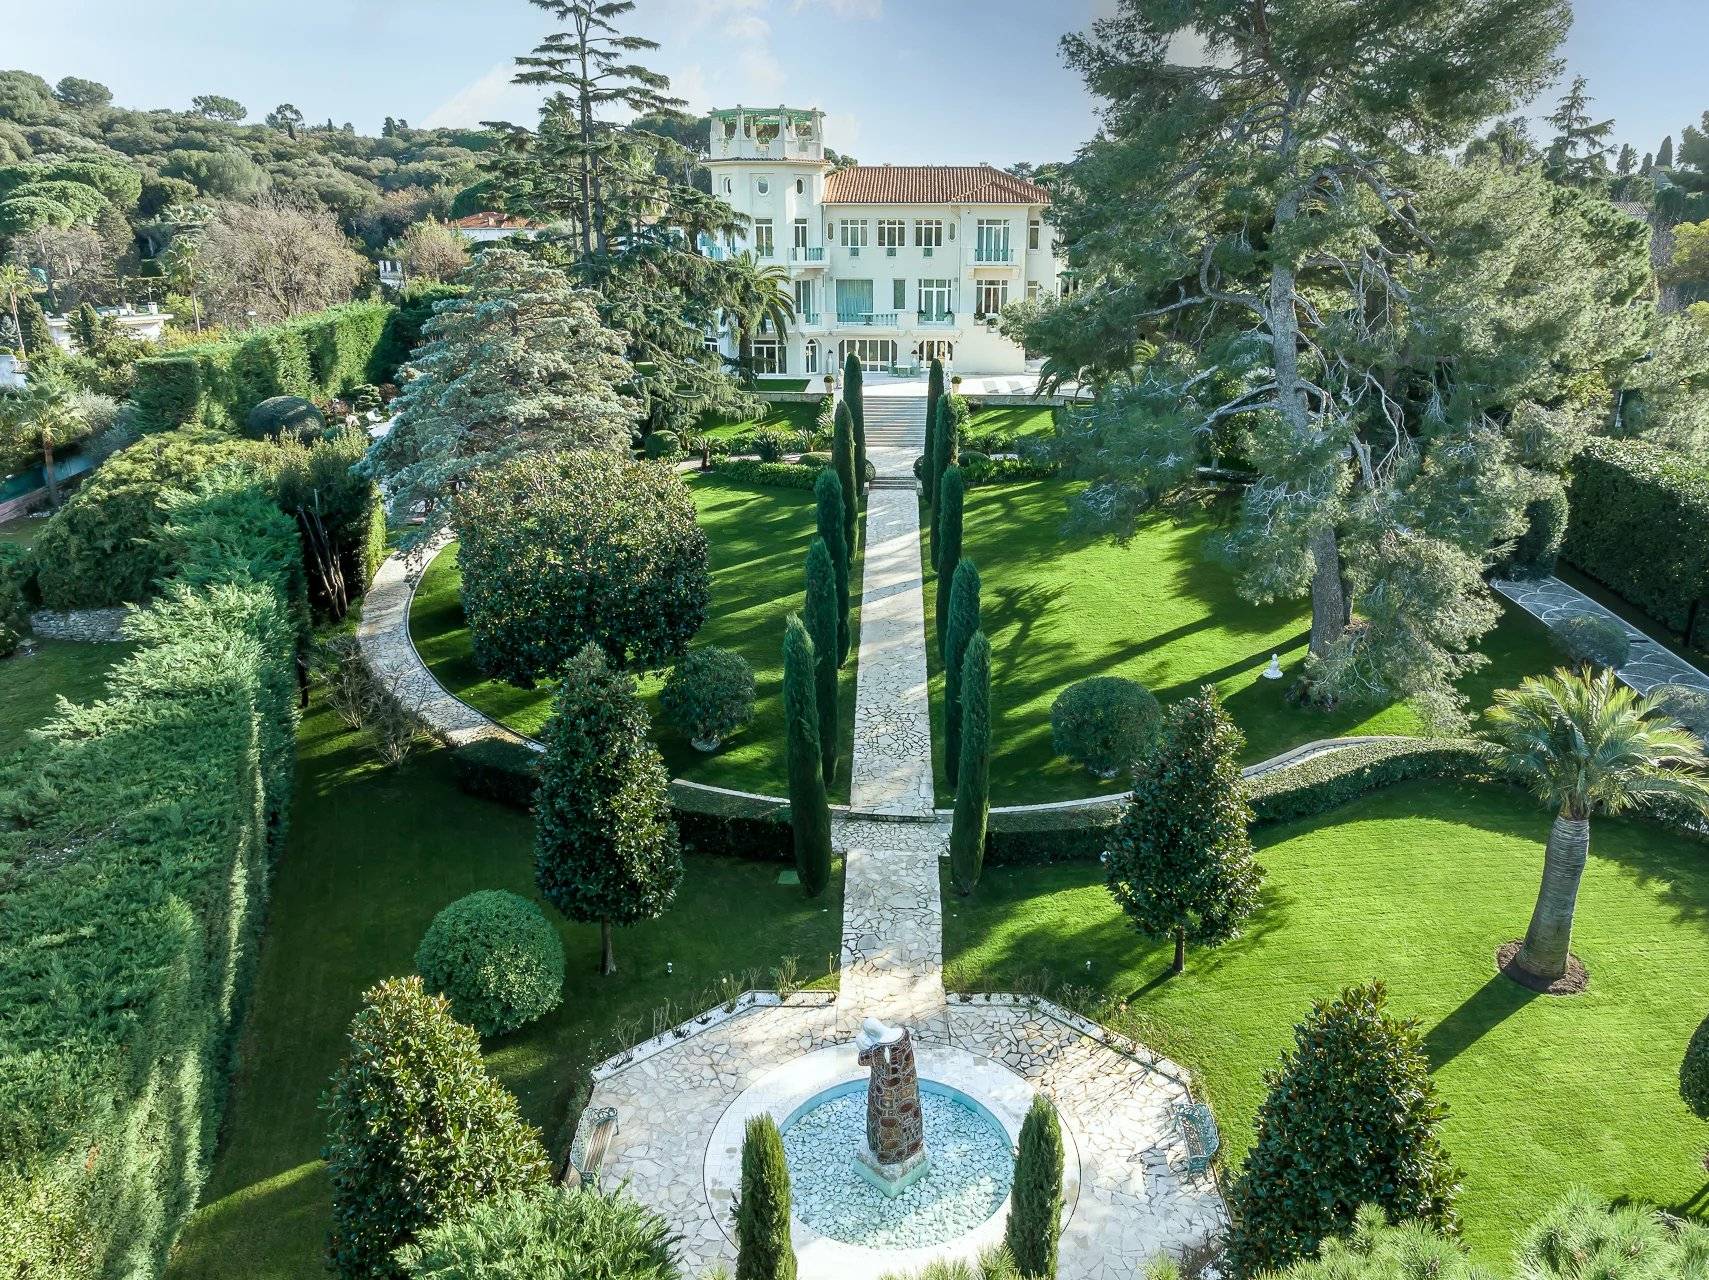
{"type": "Point", "coordinates": [892, 911]}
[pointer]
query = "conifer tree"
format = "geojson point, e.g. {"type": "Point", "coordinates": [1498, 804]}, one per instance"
{"type": "Point", "coordinates": [1181, 863]}
{"type": "Point", "coordinates": [963, 623]}
{"type": "Point", "coordinates": [820, 614]}
{"type": "Point", "coordinates": [973, 772]}
{"type": "Point", "coordinates": [946, 448]}
{"type": "Point", "coordinates": [1664, 156]}
{"type": "Point", "coordinates": [946, 544]}
{"type": "Point", "coordinates": [809, 809]}
{"type": "Point", "coordinates": [1580, 150]}
{"type": "Point", "coordinates": [829, 520]}
{"type": "Point", "coordinates": [1350, 1119]}
{"type": "Point", "coordinates": [764, 1250]}
{"type": "Point", "coordinates": [846, 460]}
{"type": "Point", "coordinates": [1035, 1208]}
{"type": "Point", "coordinates": [934, 394]}
{"type": "Point", "coordinates": [605, 845]}
{"type": "Point", "coordinates": [854, 395]}
{"type": "Point", "coordinates": [412, 1076]}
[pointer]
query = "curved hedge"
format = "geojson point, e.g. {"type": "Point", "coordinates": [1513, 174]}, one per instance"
{"type": "Point", "coordinates": [172, 791]}
{"type": "Point", "coordinates": [1640, 527]}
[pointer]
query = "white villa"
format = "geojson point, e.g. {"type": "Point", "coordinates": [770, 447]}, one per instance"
{"type": "Point", "coordinates": [896, 263]}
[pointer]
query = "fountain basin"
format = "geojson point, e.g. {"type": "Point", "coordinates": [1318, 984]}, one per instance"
{"type": "Point", "coordinates": [982, 1087]}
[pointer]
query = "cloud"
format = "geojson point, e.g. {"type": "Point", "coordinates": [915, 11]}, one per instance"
{"type": "Point", "coordinates": [843, 8]}
{"type": "Point", "coordinates": [761, 73]}
{"type": "Point", "coordinates": [490, 97]}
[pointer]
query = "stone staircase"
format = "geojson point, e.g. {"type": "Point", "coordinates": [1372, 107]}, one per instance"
{"type": "Point", "coordinates": [895, 436]}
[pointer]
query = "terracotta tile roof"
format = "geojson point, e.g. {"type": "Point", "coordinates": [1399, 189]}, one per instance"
{"type": "Point", "coordinates": [490, 221]}
{"type": "Point", "coordinates": [929, 184]}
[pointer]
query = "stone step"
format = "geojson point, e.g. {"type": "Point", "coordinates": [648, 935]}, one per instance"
{"type": "Point", "coordinates": [895, 482]}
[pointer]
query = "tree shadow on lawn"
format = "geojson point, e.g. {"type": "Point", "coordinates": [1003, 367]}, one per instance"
{"type": "Point", "coordinates": [1015, 613]}
{"type": "Point", "coordinates": [1481, 1012]}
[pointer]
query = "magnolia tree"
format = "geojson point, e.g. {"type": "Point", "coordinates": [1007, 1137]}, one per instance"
{"type": "Point", "coordinates": [517, 367]}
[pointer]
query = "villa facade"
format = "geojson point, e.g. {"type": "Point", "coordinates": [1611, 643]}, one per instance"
{"type": "Point", "coordinates": [897, 264]}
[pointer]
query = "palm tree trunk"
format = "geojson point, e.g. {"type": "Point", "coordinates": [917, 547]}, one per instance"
{"type": "Point", "coordinates": [47, 471]}
{"type": "Point", "coordinates": [1549, 939]}
{"type": "Point", "coordinates": [607, 961]}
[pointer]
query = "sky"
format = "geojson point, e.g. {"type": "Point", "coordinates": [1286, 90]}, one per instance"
{"type": "Point", "coordinates": [901, 81]}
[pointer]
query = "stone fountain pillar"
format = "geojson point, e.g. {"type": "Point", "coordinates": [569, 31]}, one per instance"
{"type": "Point", "coordinates": [894, 1156]}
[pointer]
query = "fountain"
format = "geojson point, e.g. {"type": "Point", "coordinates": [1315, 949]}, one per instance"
{"type": "Point", "coordinates": [894, 1154]}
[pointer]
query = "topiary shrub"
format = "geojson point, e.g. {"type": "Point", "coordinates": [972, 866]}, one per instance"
{"type": "Point", "coordinates": [1592, 641]}
{"type": "Point", "coordinates": [1035, 1208]}
{"type": "Point", "coordinates": [495, 958]}
{"type": "Point", "coordinates": [1546, 515]}
{"type": "Point", "coordinates": [576, 549]}
{"type": "Point", "coordinates": [1688, 706]}
{"type": "Point", "coordinates": [1105, 723]}
{"type": "Point", "coordinates": [709, 695]}
{"type": "Point", "coordinates": [278, 415]}
{"type": "Point", "coordinates": [413, 1077]}
{"type": "Point", "coordinates": [546, 1233]}
{"type": "Point", "coordinates": [1694, 1072]}
{"type": "Point", "coordinates": [814, 460]}
{"type": "Point", "coordinates": [1350, 1119]}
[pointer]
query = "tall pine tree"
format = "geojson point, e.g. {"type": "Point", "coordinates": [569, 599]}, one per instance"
{"type": "Point", "coordinates": [1181, 863]}
{"type": "Point", "coordinates": [820, 615]}
{"type": "Point", "coordinates": [605, 845]}
{"type": "Point", "coordinates": [809, 809]}
{"type": "Point", "coordinates": [1580, 150]}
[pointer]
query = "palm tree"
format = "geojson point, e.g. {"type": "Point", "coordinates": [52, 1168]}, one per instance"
{"type": "Point", "coordinates": [1586, 744]}
{"type": "Point", "coordinates": [15, 283]}
{"type": "Point", "coordinates": [757, 296]}
{"type": "Point", "coordinates": [44, 413]}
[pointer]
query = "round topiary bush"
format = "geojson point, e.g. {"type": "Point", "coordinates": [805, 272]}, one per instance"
{"type": "Point", "coordinates": [1105, 723]}
{"type": "Point", "coordinates": [710, 695]}
{"type": "Point", "coordinates": [278, 415]}
{"type": "Point", "coordinates": [1694, 1072]}
{"type": "Point", "coordinates": [495, 958]}
{"type": "Point", "coordinates": [1593, 641]}
{"type": "Point", "coordinates": [580, 548]}
{"type": "Point", "coordinates": [662, 444]}
{"type": "Point", "coordinates": [815, 459]}
{"type": "Point", "coordinates": [1688, 706]}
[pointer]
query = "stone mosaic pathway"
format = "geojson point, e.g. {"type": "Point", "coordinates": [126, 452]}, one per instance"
{"type": "Point", "coordinates": [1651, 665]}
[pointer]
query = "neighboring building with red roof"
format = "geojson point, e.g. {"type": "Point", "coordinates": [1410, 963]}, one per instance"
{"type": "Point", "coordinates": [489, 225]}
{"type": "Point", "coordinates": [895, 263]}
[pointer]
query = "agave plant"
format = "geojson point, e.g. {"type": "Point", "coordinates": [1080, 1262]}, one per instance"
{"type": "Point", "coordinates": [1585, 744]}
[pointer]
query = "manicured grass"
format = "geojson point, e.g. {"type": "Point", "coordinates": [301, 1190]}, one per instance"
{"type": "Point", "coordinates": [1159, 611]}
{"type": "Point", "coordinates": [373, 854]}
{"type": "Point", "coordinates": [1010, 422]}
{"type": "Point", "coordinates": [1418, 886]}
{"type": "Point", "coordinates": [22, 531]}
{"type": "Point", "coordinates": [759, 541]}
{"type": "Point", "coordinates": [785, 417]}
{"type": "Point", "coordinates": [31, 684]}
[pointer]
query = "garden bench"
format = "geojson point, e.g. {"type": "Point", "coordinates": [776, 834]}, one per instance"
{"type": "Point", "coordinates": [595, 1132]}
{"type": "Point", "coordinates": [1197, 1127]}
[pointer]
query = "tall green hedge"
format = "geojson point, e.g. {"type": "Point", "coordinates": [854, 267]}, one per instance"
{"type": "Point", "coordinates": [1640, 527]}
{"type": "Point", "coordinates": [135, 866]}
{"type": "Point", "coordinates": [317, 357]}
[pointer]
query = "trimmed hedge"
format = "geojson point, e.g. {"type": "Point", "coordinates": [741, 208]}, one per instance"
{"type": "Point", "coordinates": [316, 357]}
{"type": "Point", "coordinates": [1329, 781]}
{"type": "Point", "coordinates": [1640, 527]}
{"type": "Point", "coordinates": [775, 475]}
{"type": "Point", "coordinates": [135, 862]}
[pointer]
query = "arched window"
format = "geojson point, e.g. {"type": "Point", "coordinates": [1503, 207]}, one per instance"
{"type": "Point", "coordinates": [800, 186]}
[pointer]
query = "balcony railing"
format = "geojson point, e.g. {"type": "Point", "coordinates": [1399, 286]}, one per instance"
{"type": "Point", "coordinates": [991, 256]}
{"type": "Point", "coordinates": [807, 255]}
{"type": "Point", "coordinates": [806, 317]}
{"type": "Point", "coordinates": [870, 319]}
{"type": "Point", "coordinates": [936, 319]}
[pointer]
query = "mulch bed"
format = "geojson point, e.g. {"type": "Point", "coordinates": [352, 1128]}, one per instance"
{"type": "Point", "coordinates": [1574, 982]}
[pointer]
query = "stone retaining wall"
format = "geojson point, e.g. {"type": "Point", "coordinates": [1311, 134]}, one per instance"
{"type": "Point", "coordinates": [99, 626]}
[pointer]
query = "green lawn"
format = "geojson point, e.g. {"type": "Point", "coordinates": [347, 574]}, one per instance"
{"type": "Point", "coordinates": [30, 684]}
{"type": "Point", "coordinates": [21, 531]}
{"type": "Point", "coordinates": [1010, 422]}
{"type": "Point", "coordinates": [780, 417]}
{"type": "Point", "coordinates": [1543, 1092]}
{"type": "Point", "coordinates": [372, 856]}
{"type": "Point", "coordinates": [759, 539]}
{"type": "Point", "coordinates": [1158, 611]}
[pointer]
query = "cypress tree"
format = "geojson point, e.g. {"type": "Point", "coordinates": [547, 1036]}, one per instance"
{"type": "Point", "coordinates": [32, 327]}
{"type": "Point", "coordinates": [821, 618]}
{"type": "Point", "coordinates": [764, 1250]}
{"type": "Point", "coordinates": [828, 517]}
{"type": "Point", "coordinates": [945, 450]}
{"type": "Point", "coordinates": [605, 845]}
{"type": "Point", "coordinates": [934, 394]}
{"type": "Point", "coordinates": [854, 395]}
{"type": "Point", "coordinates": [1181, 863]}
{"type": "Point", "coordinates": [809, 810]}
{"type": "Point", "coordinates": [1035, 1209]}
{"type": "Point", "coordinates": [963, 622]}
{"type": "Point", "coordinates": [973, 772]}
{"type": "Point", "coordinates": [1664, 157]}
{"type": "Point", "coordinates": [843, 454]}
{"type": "Point", "coordinates": [946, 544]}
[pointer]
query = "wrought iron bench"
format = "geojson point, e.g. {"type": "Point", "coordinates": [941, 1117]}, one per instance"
{"type": "Point", "coordinates": [595, 1132]}
{"type": "Point", "coordinates": [1197, 1127]}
